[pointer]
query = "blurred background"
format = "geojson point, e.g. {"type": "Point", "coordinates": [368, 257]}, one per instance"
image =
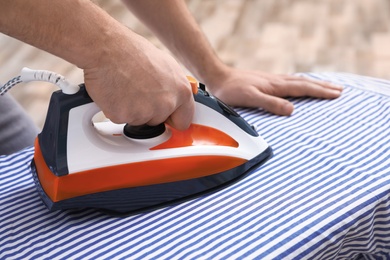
{"type": "Point", "coordinates": [278, 36]}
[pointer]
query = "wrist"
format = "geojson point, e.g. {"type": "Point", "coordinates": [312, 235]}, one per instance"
{"type": "Point", "coordinates": [99, 51]}
{"type": "Point", "coordinates": [212, 75]}
{"type": "Point", "coordinates": [102, 37]}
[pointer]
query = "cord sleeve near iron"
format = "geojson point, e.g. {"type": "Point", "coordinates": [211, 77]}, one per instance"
{"type": "Point", "coordinates": [28, 75]}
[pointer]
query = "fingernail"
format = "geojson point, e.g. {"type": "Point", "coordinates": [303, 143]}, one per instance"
{"type": "Point", "coordinates": [336, 92]}
{"type": "Point", "coordinates": [287, 109]}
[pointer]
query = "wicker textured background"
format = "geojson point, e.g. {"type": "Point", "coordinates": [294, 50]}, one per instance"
{"type": "Point", "coordinates": [280, 36]}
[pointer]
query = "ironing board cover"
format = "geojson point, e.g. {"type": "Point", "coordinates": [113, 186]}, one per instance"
{"type": "Point", "coordinates": [324, 195]}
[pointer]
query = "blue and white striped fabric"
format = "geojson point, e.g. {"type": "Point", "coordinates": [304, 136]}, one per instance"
{"type": "Point", "coordinates": [324, 195]}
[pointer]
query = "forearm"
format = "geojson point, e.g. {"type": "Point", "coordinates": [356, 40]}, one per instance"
{"type": "Point", "coordinates": [75, 30]}
{"type": "Point", "coordinates": [174, 25]}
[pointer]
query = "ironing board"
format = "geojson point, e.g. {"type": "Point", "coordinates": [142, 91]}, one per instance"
{"type": "Point", "coordinates": [324, 195]}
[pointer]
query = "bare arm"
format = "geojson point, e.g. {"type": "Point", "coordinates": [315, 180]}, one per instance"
{"type": "Point", "coordinates": [130, 79]}
{"type": "Point", "coordinates": [73, 30]}
{"type": "Point", "coordinates": [175, 26]}
{"type": "Point", "coordinates": [171, 21]}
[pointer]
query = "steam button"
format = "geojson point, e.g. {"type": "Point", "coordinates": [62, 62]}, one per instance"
{"type": "Point", "coordinates": [143, 131]}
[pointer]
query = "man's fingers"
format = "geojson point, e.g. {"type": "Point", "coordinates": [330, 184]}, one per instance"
{"type": "Point", "coordinates": [272, 104]}
{"type": "Point", "coordinates": [324, 84]}
{"type": "Point", "coordinates": [321, 83]}
{"type": "Point", "coordinates": [298, 88]}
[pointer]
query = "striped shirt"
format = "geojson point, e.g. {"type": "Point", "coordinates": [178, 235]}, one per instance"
{"type": "Point", "coordinates": [324, 195]}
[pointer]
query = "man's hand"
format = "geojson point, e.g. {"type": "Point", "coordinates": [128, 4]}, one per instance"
{"type": "Point", "coordinates": [129, 79]}
{"type": "Point", "coordinates": [258, 89]}
{"type": "Point", "coordinates": [175, 24]}
{"type": "Point", "coordinates": [134, 82]}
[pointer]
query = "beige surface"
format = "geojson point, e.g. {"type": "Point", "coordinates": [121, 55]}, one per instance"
{"type": "Point", "coordinates": [279, 36]}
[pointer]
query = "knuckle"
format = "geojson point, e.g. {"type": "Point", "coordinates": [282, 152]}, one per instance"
{"type": "Point", "coordinates": [140, 117]}
{"type": "Point", "coordinates": [185, 90]}
{"type": "Point", "coordinates": [114, 117]}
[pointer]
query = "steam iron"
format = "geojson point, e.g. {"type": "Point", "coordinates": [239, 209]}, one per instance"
{"type": "Point", "coordinates": [81, 162]}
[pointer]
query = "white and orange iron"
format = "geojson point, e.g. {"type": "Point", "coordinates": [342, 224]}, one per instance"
{"type": "Point", "coordinates": [81, 161]}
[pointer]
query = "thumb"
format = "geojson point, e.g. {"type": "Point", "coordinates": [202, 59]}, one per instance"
{"type": "Point", "coordinates": [182, 117]}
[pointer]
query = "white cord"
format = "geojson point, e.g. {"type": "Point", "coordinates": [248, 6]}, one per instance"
{"type": "Point", "coordinates": [28, 75]}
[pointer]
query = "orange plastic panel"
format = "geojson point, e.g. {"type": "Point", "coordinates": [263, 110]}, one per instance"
{"type": "Point", "coordinates": [196, 135]}
{"type": "Point", "coordinates": [128, 175]}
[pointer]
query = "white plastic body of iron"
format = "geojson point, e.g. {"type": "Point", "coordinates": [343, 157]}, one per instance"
{"type": "Point", "coordinates": [88, 148]}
